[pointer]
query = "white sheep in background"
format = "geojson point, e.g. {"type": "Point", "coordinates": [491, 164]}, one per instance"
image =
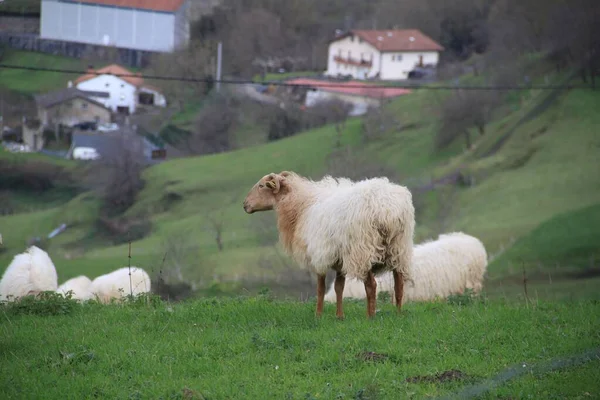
{"type": "Point", "coordinates": [80, 286]}
{"type": "Point", "coordinates": [106, 287]}
{"type": "Point", "coordinates": [449, 265]}
{"type": "Point", "coordinates": [29, 273]}
{"type": "Point", "coordinates": [359, 229]}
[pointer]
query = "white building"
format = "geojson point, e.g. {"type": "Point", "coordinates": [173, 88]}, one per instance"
{"type": "Point", "coordinates": [386, 55]}
{"type": "Point", "coordinates": [360, 95]}
{"type": "Point", "coordinates": [125, 93]}
{"type": "Point", "coordinates": [151, 25]}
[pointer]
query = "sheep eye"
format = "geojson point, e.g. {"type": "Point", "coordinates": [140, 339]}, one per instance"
{"type": "Point", "coordinates": [261, 186]}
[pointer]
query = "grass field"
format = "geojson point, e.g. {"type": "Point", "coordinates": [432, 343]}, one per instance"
{"type": "Point", "coordinates": [258, 348]}
{"type": "Point", "coordinates": [286, 75]}
{"type": "Point", "coordinates": [533, 178]}
{"type": "Point", "coordinates": [25, 81]}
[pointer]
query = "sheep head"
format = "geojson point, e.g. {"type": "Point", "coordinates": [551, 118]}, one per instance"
{"type": "Point", "coordinates": [264, 194]}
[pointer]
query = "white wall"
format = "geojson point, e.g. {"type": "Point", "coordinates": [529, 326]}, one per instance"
{"type": "Point", "coordinates": [108, 25]}
{"type": "Point", "coordinates": [356, 47]}
{"type": "Point", "coordinates": [398, 65]}
{"type": "Point", "coordinates": [122, 94]}
{"type": "Point", "coordinates": [159, 99]}
{"type": "Point", "coordinates": [360, 104]}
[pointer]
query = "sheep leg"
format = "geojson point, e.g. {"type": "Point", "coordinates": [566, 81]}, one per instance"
{"type": "Point", "coordinates": [371, 290]}
{"type": "Point", "coordinates": [320, 294]}
{"type": "Point", "coordinates": [398, 289]}
{"type": "Point", "coordinates": [340, 281]}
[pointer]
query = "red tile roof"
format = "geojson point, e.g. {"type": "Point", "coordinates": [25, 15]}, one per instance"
{"type": "Point", "coordinates": [355, 88]}
{"type": "Point", "coordinates": [114, 69]}
{"type": "Point", "coordinates": [396, 40]}
{"type": "Point", "coordinates": [155, 5]}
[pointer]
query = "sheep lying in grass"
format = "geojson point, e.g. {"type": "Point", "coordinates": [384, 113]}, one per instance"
{"type": "Point", "coordinates": [359, 229]}
{"type": "Point", "coordinates": [449, 265]}
{"type": "Point", "coordinates": [117, 284]}
{"type": "Point", "coordinates": [80, 286]}
{"type": "Point", "coordinates": [29, 273]}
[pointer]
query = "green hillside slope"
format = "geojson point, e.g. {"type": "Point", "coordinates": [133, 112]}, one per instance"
{"type": "Point", "coordinates": [546, 167]}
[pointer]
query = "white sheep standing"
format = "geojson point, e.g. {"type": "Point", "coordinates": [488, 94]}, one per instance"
{"type": "Point", "coordinates": [80, 286]}
{"type": "Point", "coordinates": [29, 273]}
{"type": "Point", "coordinates": [449, 265]}
{"type": "Point", "coordinates": [359, 229]}
{"type": "Point", "coordinates": [117, 284]}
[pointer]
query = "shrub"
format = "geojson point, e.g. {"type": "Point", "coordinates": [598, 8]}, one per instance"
{"type": "Point", "coordinates": [45, 303]}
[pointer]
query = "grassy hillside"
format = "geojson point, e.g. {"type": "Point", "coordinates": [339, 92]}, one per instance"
{"type": "Point", "coordinates": [535, 175]}
{"type": "Point", "coordinates": [259, 348]}
{"type": "Point", "coordinates": [29, 82]}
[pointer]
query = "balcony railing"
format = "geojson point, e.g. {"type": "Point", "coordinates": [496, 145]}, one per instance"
{"type": "Point", "coordinates": [352, 61]}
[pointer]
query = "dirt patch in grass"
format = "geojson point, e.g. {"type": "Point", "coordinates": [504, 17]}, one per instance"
{"type": "Point", "coordinates": [446, 376]}
{"type": "Point", "coordinates": [372, 356]}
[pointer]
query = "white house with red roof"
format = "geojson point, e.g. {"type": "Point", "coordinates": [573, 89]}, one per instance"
{"type": "Point", "coordinates": [125, 93]}
{"type": "Point", "coordinates": [359, 94]}
{"type": "Point", "coordinates": [381, 54]}
{"type": "Point", "coordinates": [150, 25]}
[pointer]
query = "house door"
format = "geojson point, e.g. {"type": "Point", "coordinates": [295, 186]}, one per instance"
{"type": "Point", "coordinates": [123, 110]}
{"type": "Point", "coordinates": [146, 98]}
{"type": "Point", "coordinates": [420, 60]}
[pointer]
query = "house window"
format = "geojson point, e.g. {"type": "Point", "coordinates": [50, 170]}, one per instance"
{"type": "Point", "coordinates": [122, 97]}
{"type": "Point", "coordinates": [107, 84]}
{"type": "Point", "coordinates": [397, 57]}
{"type": "Point", "coordinates": [84, 105]}
{"type": "Point", "coordinates": [122, 85]}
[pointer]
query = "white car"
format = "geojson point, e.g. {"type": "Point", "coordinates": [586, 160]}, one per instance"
{"type": "Point", "coordinates": [108, 127]}
{"type": "Point", "coordinates": [85, 153]}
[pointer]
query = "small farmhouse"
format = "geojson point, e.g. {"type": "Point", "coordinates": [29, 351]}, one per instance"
{"type": "Point", "coordinates": [125, 93]}
{"type": "Point", "coordinates": [377, 54]}
{"type": "Point", "coordinates": [150, 25]}
{"type": "Point", "coordinates": [71, 106]}
{"type": "Point", "coordinates": [360, 95]}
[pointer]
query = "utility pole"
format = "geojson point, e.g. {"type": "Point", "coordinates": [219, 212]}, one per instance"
{"type": "Point", "coordinates": [219, 62]}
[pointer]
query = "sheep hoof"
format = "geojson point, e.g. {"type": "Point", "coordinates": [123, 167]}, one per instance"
{"type": "Point", "coordinates": [341, 317]}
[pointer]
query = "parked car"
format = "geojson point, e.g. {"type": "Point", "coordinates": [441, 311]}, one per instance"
{"type": "Point", "coordinates": [110, 127]}
{"type": "Point", "coordinates": [86, 126]}
{"type": "Point", "coordinates": [85, 153]}
{"type": "Point", "coordinates": [422, 72]}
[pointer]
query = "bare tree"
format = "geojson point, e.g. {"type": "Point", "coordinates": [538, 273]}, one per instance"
{"type": "Point", "coordinates": [214, 126]}
{"type": "Point", "coordinates": [346, 162]}
{"type": "Point", "coordinates": [377, 122]}
{"type": "Point", "coordinates": [182, 252]}
{"type": "Point", "coordinates": [194, 62]}
{"type": "Point", "coordinates": [255, 33]}
{"type": "Point", "coordinates": [462, 110]}
{"type": "Point", "coordinates": [215, 219]}
{"type": "Point", "coordinates": [117, 176]}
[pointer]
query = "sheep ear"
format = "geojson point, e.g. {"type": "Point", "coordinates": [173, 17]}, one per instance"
{"type": "Point", "coordinates": [270, 184]}
{"type": "Point", "coordinates": [274, 185]}
{"type": "Point", "coordinates": [285, 173]}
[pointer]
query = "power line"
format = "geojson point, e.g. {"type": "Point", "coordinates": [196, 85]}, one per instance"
{"type": "Point", "coordinates": [321, 85]}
